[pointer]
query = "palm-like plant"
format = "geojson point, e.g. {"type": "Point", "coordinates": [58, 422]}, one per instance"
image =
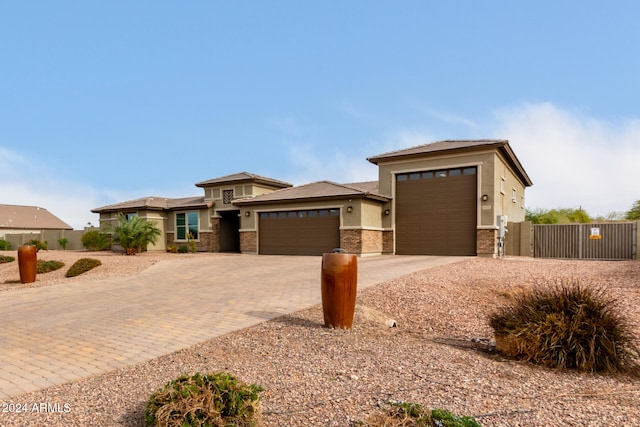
{"type": "Point", "coordinates": [134, 233]}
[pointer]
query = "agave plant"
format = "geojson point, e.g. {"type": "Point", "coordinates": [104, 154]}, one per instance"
{"type": "Point", "coordinates": [134, 233]}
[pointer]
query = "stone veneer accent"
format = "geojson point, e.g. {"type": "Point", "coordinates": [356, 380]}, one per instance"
{"type": "Point", "coordinates": [249, 242]}
{"type": "Point", "coordinates": [387, 242]}
{"type": "Point", "coordinates": [359, 241]}
{"type": "Point", "coordinates": [214, 244]}
{"type": "Point", "coordinates": [202, 245]}
{"type": "Point", "coordinates": [486, 243]}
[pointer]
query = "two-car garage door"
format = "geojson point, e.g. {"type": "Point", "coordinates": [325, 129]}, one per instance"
{"type": "Point", "coordinates": [299, 232]}
{"type": "Point", "coordinates": [436, 212]}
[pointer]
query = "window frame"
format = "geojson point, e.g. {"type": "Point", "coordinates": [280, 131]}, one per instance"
{"type": "Point", "coordinates": [188, 227]}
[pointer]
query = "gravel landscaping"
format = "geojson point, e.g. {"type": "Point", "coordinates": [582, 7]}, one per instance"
{"type": "Point", "coordinates": [439, 355]}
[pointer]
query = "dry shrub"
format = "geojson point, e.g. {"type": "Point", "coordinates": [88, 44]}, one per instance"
{"type": "Point", "coordinates": [406, 414]}
{"type": "Point", "coordinates": [6, 258]}
{"type": "Point", "coordinates": [82, 266]}
{"type": "Point", "coordinates": [47, 266]}
{"type": "Point", "coordinates": [214, 400]}
{"type": "Point", "coordinates": [566, 325]}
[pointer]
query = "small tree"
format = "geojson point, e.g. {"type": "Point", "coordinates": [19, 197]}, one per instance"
{"type": "Point", "coordinates": [633, 214]}
{"type": "Point", "coordinates": [63, 242]}
{"type": "Point", "coordinates": [134, 233]}
{"type": "Point", "coordinates": [95, 240]}
{"type": "Point", "coordinates": [557, 216]}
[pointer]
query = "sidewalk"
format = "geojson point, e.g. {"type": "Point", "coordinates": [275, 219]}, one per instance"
{"type": "Point", "coordinates": [62, 333]}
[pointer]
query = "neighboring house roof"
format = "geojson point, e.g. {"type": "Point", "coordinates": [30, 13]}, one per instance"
{"type": "Point", "coordinates": [439, 147]}
{"type": "Point", "coordinates": [154, 203]}
{"type": "Point", "coordinates": [243, 177]}
{"type": "Point", "coordinates": [318, 190]}
{"type": "Point", "coordinates": [30, 218]}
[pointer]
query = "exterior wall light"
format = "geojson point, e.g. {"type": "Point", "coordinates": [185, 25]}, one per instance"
{"type": "Point", "coordinates": [485, 197]}
{"type": "Point", "coordinates": [247, 213]}
{"type": "Point", "coordinates": [349, 209]}
{"type": "Point", "coordinates": [387, 211]}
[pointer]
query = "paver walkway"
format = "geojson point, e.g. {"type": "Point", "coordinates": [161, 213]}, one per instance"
{"type": "Point", "coordinates": [62, 333]}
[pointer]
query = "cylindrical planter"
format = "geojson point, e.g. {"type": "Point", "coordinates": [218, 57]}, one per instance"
{"type": "Point", "coordinates": [339, 287]}
{"type": "Point", "coordinates": [27, 262]}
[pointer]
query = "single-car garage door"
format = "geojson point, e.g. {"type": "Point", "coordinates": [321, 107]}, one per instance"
{"type": "Point", "coordinates": [301, 232]}
{"type": "Point", "coordinates": [436, 212]}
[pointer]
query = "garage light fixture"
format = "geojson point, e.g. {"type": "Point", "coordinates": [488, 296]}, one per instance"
{"type": "Point", "coordinates": [247, 213]}
{"type": "Point", "coordinates": [485, 197]}
{"type": "Point", "coordinates": [387, 211]}
{"type": "Point", "coordinates": [349, 208]}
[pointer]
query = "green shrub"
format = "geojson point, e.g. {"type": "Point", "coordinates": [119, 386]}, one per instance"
{"type": "Point", "coordinates": [82, 266]}
{"type": "Point", "coordinates": [39, 245]}
{"type": "Point", "coordinates": [63, 242]}
{"type": "Point", "coordinates": [214, 400]}
{"type": "Point", "coordinates": [406, 414]}
{"type": "Point", "coordinates": [95, 240]}
{"type": "Point", "coordinates": [5, 245]}
{"type": "Point", "coordinates": [183, 249]}
{"type": "Point", "coordinates": [47, 266]}
{"type": "Point", "coordinates": [566, 325]}
{"type": "Point", "coordinates": [5, 258]}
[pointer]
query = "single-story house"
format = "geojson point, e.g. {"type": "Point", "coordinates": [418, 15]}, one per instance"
{"type": "Point", "coordinates": [443, 198]}
{"type": "Point", "coordinates": [17, 219]}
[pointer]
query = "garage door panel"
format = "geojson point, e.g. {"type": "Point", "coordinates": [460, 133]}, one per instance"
{"type": "Point", "coordinates": [436, 216]}
{"type": "Point", "coordinates": [298, 232]}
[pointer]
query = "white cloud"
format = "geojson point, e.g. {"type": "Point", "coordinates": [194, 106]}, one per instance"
{"type": "Point", "coordinates": [574, 160]}
{"type": "Point", "coordinates": [312, 163]}
{"type": "Point", "coordinates": [27, 182]}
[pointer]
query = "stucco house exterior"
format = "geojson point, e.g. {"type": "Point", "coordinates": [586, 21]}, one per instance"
{"type": "Point", "coordinates": [443, 198]}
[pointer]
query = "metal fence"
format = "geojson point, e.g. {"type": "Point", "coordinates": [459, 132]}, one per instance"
{"type": "Point", "coordinates": [602, 241]}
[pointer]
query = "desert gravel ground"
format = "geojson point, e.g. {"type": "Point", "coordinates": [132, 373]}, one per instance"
{"type": "Point", "coordinates": [315, 376]}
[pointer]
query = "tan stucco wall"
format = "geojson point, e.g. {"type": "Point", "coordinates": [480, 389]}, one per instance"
{"type": "Point", "coordinates": [504, 204]}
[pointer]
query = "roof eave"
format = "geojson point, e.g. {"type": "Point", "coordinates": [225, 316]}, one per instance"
{"type": "Point", "coordinates": [249, 202]}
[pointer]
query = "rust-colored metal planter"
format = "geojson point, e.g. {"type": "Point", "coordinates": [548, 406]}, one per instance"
{"type": "Point", "coordinates": [339, 287]}
{"type": "Point", "coordinates": [27, 262]}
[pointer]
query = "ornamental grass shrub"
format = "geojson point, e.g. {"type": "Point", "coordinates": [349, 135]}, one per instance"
{"type": "Point", "coordinates": [213, 400]}
{"type": "Point", "coordinates": [569, 326]}
{"type": "Point", "coordinates": [82, 266]}
{"type": "Point", "coordinates": [5, 245]}
{"type": "Point", "coordinates": [406, 414]}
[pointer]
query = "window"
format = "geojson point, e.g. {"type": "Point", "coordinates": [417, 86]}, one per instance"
{"type": "Point", "coordinates": [454, 172]}
{"type": "Point", "coordinates": [186, 222]}
{"type": "Point", "coordinates": [502, 182]}
{"type": "Point", "coordinates": [469, 171]}
{"type": "Point", "coordinates": [227, 196]}
{"type": "Point", "coordinates": [441, 174]}
{"type": "Point", "coordinates": [130, 215]}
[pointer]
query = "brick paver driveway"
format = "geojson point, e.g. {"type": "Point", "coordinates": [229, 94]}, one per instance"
{"type": "Point", "coordinates": [56, 334]}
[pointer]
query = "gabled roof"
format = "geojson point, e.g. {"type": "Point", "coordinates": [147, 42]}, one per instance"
{"type": "Point", "coordinates": [30, 218]}
{"type": "Point", "coordinates": [440, 147]}
{"type": "Point", "coordinates": [318, 190]}
{"type": "Point", "coordinates": [154, 203]}
{"type": "Point", "coordinates": [244, 177]}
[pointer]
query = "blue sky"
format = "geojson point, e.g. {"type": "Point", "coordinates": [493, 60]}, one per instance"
{"type": "Point", "coordinates": [102, 102]}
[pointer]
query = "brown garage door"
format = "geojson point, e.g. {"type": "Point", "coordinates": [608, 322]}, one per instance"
{"type": "Point", "coordinates": [302, 232]}
{"type": "Point", "coordinates": [436, 212]}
